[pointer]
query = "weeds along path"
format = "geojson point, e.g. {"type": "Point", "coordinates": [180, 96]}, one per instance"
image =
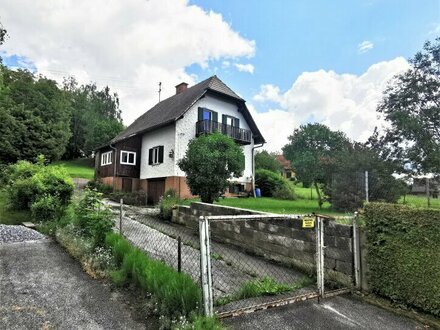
{"type": "Point", "coordinates": [230, 268]}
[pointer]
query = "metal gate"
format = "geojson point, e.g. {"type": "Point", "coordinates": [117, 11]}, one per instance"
{"type": "Point", "coordinates": [244, 262]}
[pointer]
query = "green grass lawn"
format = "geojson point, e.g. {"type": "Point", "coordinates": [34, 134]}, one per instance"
{"type": "Point", "coordinates": [419, 201]}
{"type": "Point", "coordinates": [78, 168]}
{"type": "Point", "coordinates": [11, 217]}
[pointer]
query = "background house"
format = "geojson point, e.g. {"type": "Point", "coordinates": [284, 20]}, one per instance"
{"type": "Point", "coordinates": [287, 170]}
{"type": "Point", "coordinates": [145, 156]}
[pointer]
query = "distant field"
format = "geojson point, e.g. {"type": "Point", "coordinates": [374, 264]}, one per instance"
{"type": "Point", "coordinates": [419, 201]}
{"type": "Point", "coordinates": [78, 168]}
{"type": "Point", "coordinates": [10, 217]}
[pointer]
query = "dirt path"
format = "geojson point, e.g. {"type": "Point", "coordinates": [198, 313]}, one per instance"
{"type": "Point", "coordinates": [42, 287]}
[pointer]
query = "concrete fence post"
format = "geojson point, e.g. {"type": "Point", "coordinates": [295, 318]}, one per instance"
{"type": "Point", "coordinates": [205, 266]}
{"type": "Point", "coordinates": [356, 252]}
{"type": "Point", "coordinates": [319, 225]}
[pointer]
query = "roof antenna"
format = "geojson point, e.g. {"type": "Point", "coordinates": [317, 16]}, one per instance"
{"type": "Point", "coordinates": [160, 89]}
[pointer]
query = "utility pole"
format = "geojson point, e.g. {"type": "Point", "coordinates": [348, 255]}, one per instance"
{"type": "Point", "coordinates": [160, 89]}
{"type": "Point", "coordinates": [428, 195]}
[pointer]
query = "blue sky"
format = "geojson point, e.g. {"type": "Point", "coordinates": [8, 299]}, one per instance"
{"type": "Point", "coordinates": [293, 61]}
{"type": "Point", "coordinates": [296, 36]}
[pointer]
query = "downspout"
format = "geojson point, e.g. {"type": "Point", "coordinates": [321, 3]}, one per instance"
{"type": "Point", "coordinates": [114, 167]}
{"type": "Point", "coordinates": [253, 168]}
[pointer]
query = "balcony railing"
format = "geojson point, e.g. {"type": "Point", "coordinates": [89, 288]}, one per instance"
{"type": "Point", "coordinates": [240, 135]}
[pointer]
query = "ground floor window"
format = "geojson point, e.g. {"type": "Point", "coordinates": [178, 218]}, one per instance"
{"type": "Point", "coordinates": [106, 158]}
{"type": "Point", "coordinates": [128, 157]}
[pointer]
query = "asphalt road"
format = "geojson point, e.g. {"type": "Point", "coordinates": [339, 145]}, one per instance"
{"type": "Point", "coordinates": [342, 312]}
{"type": "Point", "coordinates": [42, 287]}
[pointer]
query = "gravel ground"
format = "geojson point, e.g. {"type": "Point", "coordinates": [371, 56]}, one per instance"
{"type": "Point", "coordinates": [11, 234]}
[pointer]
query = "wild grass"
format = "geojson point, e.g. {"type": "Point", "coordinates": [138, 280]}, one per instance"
{"type": "Point", "coordinates": [176, 293]}
{"type": "Point", "coordinates": [78, 168]}
{"type": "Point", "coordinates": [265, 286]}
{"type": "Point", "coordinates": [9, 216]}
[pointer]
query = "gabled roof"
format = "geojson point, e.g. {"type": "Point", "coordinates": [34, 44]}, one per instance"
{"type": "Point", "coordinates": [172, 108]}
{"type": "Point", "coordinates": [284, 162]}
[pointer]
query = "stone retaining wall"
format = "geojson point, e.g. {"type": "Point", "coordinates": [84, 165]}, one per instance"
{"type": "Point", "coordinates": [278, 239]}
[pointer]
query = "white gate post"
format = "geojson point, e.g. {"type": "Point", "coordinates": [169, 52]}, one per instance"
{"type": "Point", "coordinates": [205, 266]}
{"type": "Point", "coordinates": [320, 255]}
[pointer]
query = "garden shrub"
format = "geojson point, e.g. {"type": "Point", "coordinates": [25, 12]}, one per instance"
{"type": "Point", "coordinates": [272, 184]}
{"type": "Point", "coordinates": [27, 183]}
{"type": "Point", "coordinates": [47, 208]}
{"type": "Point", "coordinates": [103, 188]}
{"type": "Point", "coordinates": [93, 218]}
{"type": "Point", "coordinates": [176, 293]}
{"type": "Point", "coordinates": [167, 203]}
{"type": "Point", "coordinates": [404, 254]}
{"type": "Point", "coordinates": [136, 198]}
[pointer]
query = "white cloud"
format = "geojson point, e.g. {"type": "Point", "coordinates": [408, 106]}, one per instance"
{"type": "Point", "coordinates": [344, 102]}
{"type": "Point", "coordinates": [129, 45]}
{"type": "Point", "coordinates": [365, 46]}
{"type": "Point", "coordinates": [244, 67]}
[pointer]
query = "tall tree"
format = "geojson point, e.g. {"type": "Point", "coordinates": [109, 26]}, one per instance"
{"type": "Point", "coordinates": [34, 117]}
{"type": "Point", "coordinates": [96, 117]}
{"type": "Point", "coordinates": [411, 105]}
{"type": "Point", "coordinates": [209, 162]}
{"type": "Point", "coordinates": [312, 149]}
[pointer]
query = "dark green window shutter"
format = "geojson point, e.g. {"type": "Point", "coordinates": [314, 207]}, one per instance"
{"type": "Point", "coordinates": [237, 122]}
{"type": "Point", "coordinates": [224, 119]}
{"type": "Point", "coordinates": [214, 116]}
{"type": "Point", "coordinates": [161, 154]}
{"type": "Point", "coordinates": [200, 113]}
{"type": "Point", "coordinates": [150, 156]}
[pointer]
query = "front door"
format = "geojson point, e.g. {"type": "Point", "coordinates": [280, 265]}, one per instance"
{"type": "Point", "coordinates": [156, 189]}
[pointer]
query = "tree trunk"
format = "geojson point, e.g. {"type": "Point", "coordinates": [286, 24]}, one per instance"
{"type": "Point", "coordinates": [320, 202]}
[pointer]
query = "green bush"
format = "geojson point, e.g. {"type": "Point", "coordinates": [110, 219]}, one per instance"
{"type": "Point", "coordinates": [273, 185]}
{"type": "Point", "coordinates": [103, 188]}
{"type": "Point", "coordinates": [93, 218]}
{"type": "Point", "coordinates": [167, 203]}
{"type": "Point", "coordinates": [176, 293]}
{"type": "Point", "coordinates": [27, 183]}
{"type": "Point", "coordinates": [136, 198]}
{"type": "Point", "coordinates": [47, 208]}
{"type": "Point", "coordinates": [404, 254]}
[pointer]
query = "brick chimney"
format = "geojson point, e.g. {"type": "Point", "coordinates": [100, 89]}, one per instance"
{"type": "Point", "coordinates": [181, 87]}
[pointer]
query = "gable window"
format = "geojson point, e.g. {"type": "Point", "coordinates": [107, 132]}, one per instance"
{"type": "Point", "coordinates": [230, 121]}
{"type": "Point", "coordinates": [106, 158]}
{"type": "Point", "coordinates": [207, 114]}
{"type": "Point", "coordinates": [155, 155]}
{"type": "Point", "coordinates": [128, 157]}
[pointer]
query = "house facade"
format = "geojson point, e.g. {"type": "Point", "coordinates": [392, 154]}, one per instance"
{"type": "Point", "coordinates": [287, 170]}
{"type": "Point", "coordinates": [145, 156]}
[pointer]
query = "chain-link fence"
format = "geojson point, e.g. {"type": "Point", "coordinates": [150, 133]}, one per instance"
{"type": "Point", "coordinates": [246, 263]}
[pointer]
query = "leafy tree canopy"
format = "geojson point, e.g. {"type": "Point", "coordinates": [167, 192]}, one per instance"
{"type": "Point", "coordinates": [312, 150]}
{"type": "Point", "coordinates": [411, 105]}
{"type": "Point", "coordinates": [34, 117]}
{"type": "Point", "coordinates": [267, 161]}
{"type": "Point", "coordinates": [95, 120]}
{"type": "Point", "coordinates": [209, 162]}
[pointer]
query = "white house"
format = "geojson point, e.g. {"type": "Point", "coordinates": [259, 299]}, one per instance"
{"type": "Point", "coordinates": [146, 154]}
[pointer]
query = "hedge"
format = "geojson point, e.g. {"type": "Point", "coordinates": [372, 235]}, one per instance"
{"type": "Point", "coordinates": [404, 254]}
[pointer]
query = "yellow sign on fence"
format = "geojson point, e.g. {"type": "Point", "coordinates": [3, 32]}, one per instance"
{"type": "Point", "coordinates": [308, 223]}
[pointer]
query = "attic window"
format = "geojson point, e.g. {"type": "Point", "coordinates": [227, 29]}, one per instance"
{"type": "Point", "coordinates": [128, 157]}
{"type": "Point", "coordinates": [106, 158]}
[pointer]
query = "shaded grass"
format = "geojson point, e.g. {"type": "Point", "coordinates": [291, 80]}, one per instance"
{"type": "Point", "coordinates": [78, 168]}
{"type": "Point", "coordinates": [265, 286]}
{"type": "Point", "coordinates": [8, 216]}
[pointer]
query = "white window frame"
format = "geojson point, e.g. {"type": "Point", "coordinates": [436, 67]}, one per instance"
{"type": "Point", "coordinates": [106, 158]}
{"type": "Point", "coordinates": [128, 157]}
{"type": "Point", "coordinates": [155, 155]}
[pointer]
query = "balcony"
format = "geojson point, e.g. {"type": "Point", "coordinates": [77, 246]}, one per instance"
{"type": "Point", "coordinates": [240, 135]}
